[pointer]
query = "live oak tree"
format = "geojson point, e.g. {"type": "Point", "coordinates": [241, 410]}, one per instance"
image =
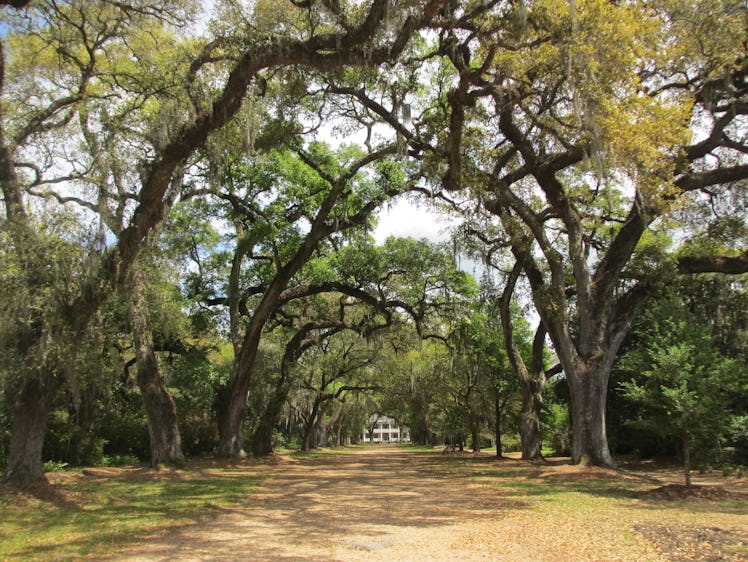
{"type": "Point", "coordinates": [332, 368]}
{"type": "Point", "coordinates": [73, 42]}
{"type": "Point", "coordinates": [531, 379]}
{"type": "Point", "coordinates": [480, 238]}
{"type": "Point", "coordinates": [39, 352]}
{"type": "Point", "coordinates": [310, 197]}
{"type": "Point", "coordinates": [576, 136]}
{"type": "Point", "coordinates": [72, 49]}
{"type": "Point", "coordinates": [335, 205]}
{"type": "Point", "coordinates": [160, 408]}
{"type": "Point", "coordinates": [353, 287]}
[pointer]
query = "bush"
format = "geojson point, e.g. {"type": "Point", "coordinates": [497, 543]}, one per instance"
{"type": "Point", "coordinates": [126, 434]}
{"type": "Point", "coordinates": [510, 443]}
{"type": "Point", "coordinates": [199, 436]}
{"type": "Point", "coordinates": [55, 466]}
{"type": "Point", "coordinates": [67, 442]}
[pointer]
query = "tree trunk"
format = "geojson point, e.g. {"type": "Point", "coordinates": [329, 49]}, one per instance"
{"type": "Point", "coordinates": [529, 426]}
{"type": "Point", "coordinates": [420, 434]}
{"type": "Point", "coordinates": [687, 459]}
{"type": "Point", "coordinates": [529, 423]}
{"type": "Point", "coordinates": [161, 411]}
{"type": "Point", "coordinates": [475, 433]}
{"type": "Point", "coordinates": [531, 384]}
{"type": "Point", "coordinates": [232, 399]}
{"type": "Point", "coordinates": [306, 442]}
{"type": "Point", "coordinates": [498, 412]}
{"type": "Point", "coordinates": [310, 429]}
{"type": "Point", "coordinates": [262, 438]}
{"type": "Point", "coordinates": [532, 399]}
{"type": "Point", "coordinates": [588, 385]}
{"type": "Point", "coordinates": [30, 413]}
{"type": "Point", "coordinates": [163, 428]}
{"type": "Point", "coordinates": [339, 435]}
{"type": "Point", "coordinates": [232, 409]}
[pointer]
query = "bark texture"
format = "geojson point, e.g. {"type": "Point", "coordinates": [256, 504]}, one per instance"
{"type": "Point", "coordinates": [161, 411]}
{"type": "Point", "coordinates": [589, 392]}
{"type": "Point", "coordinates": [30, 413]}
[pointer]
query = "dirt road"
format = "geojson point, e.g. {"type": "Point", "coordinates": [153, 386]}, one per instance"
{"type": "Point", "coordinates": [386, 504]}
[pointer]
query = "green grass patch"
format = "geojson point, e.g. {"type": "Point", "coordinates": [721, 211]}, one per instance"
{"type": "Point", "coordinates": [103, 515]}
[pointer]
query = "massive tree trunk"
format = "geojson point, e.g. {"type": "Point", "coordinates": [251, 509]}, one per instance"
{"type": "Point", "coordinates": [529, 424]}
{"type": "Point", "coordinates": [161, 411]}
{"type": "Point", "coordinates": [588, 384]}
{"type": "Point", "coordinates": [30, 413]}
{"type": "Point", "coordinates": [232, 410]}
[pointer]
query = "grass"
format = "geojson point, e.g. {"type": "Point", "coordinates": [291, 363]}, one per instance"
{"type": "Point", "coordinates": [98, 515]}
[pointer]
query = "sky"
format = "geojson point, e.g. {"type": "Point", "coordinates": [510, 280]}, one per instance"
{"type": "Point", "coordinates": [403, 218]}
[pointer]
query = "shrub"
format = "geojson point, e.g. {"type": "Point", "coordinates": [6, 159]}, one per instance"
{"type": "Point", "coordinates": [126, 434]}
{"type": "Point", "coordinates": [68, 442]}
{"type": "Point", "coordinates": [199, 436]}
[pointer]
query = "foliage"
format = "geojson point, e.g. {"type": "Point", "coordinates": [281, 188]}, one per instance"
{"type": "Point", "coordinates": [684, 384]}
{"type": "Point", "coordinates": [559, 137]}
{"type": "Point", "coordinates": [556, 428]}
{"type": "Point", "coordinates": [120, 460]}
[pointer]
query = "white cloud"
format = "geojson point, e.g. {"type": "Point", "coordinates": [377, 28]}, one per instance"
{"type": "Point", "coordinates": [405, 218]}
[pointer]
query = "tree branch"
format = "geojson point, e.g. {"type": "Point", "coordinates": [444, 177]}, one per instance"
{"type": "Point", "coordinates": [733, 265]}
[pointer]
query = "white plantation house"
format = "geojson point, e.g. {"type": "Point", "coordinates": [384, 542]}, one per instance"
{"type": "Point", "coordinates": [384, 429]}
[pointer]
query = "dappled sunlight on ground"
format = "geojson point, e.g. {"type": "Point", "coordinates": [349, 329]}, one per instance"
{"type": "Point", "coordinates": [384, 503]}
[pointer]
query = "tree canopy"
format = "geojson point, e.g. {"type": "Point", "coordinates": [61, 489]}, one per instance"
{"type": "Point", "coordinates": [593, 153]}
